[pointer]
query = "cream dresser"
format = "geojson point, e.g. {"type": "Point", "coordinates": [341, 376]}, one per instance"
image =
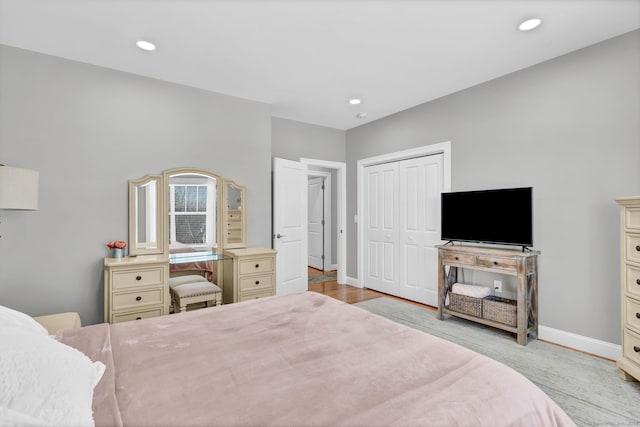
{"type": "Point", "coordinates": [629, 363]}
{"type": "Point", "coordinates": [136, 288]}
{"type": "Point", "coordinates": [248, 274]}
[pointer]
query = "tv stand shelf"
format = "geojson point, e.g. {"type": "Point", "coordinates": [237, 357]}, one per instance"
{"type": "Point", "coordinates": [522, 265]}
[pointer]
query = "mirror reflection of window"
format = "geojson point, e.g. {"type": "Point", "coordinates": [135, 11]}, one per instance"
{"type": "Point", "coordinates": [192, 210]}
{"type": "Point", "coordinates": [146, 202]}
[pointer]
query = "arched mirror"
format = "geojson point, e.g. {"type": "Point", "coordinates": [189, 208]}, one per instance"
{"type": "Point", "coordinates": [234, 230]}
{"type": "Point", "coordinates": [192, 209]}
{"type": "Point", "coordinates": [146, 225]}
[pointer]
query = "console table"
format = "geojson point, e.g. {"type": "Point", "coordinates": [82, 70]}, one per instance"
{"type": "Point", "coordinates": [522, 265]}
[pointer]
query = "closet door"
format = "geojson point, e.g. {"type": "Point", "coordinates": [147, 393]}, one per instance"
{"type": "Point", "coordinates": [420, 186]}
{"type": "Point", "coordinates": [381, 230]}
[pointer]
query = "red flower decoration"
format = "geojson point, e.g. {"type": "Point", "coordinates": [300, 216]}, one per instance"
{"type": "Point", "coordinates": [119, 244]}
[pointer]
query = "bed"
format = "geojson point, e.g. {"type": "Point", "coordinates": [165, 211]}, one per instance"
{"type": "Point", "coordinates": [295, 360]}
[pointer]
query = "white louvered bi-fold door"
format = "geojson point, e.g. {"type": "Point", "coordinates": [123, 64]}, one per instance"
{"type": "Point", "coordinates": [402, 223]}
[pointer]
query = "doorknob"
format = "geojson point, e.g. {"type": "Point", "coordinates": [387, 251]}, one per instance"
{"type": "Point", "coordinates": [280, 235]}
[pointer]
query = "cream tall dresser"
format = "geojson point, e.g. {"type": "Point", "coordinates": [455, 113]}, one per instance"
{"type": "Point", "coordinates": [629, 363]}
{"type": "Point", "coordinates": [136, 288]}
{"type": "Point", "coordinates": [252, 274]}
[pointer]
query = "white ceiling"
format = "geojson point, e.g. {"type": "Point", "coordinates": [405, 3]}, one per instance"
{"type": "Point", "coordinates": [307, 58]}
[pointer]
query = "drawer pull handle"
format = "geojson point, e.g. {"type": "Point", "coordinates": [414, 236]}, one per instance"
{"type": "Point", "coordinates": [257, 265]}
{"type": "Point", "coordinates": [138, 298]}
{"type": "Point", "coordinates": [138, 318]}
{"type": "Point", "coordinates": [257, 282]}
{"type": "Point", "coordinates": [138, 277]}
{"type": "Point", "coordinates": [637, 315]}
{"type": "Point", "coordinates": [636, 349]}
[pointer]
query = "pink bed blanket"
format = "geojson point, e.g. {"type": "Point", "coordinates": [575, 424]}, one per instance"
{"type": "Point", "coordinates": [297, 360]}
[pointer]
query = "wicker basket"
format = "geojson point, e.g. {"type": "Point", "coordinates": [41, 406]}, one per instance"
{"type": "Point", "coordinates": [465, 304]}
{"type": "Point", "coordinates": [500, 310]}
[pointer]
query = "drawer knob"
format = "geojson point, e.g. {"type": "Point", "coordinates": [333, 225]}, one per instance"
{"type": "Point", "coordinates": [138, 277]}
{"type": "Point", "coordinates": [138, 298]}
{"type": "Point", "coordinates": [637, 281]}
{"type": "Point", "coordinates": [138, 318]}
{"type": "Point", "coordinates": [636, 349]}
{"type": "Point", "coordinates": [495, 262]}
{"type": "Point", "coordinates": [457, 258]}
{"type": "Point", "coordinates": [257, 282]}
{"type": "Point", "coordinates": [257, 265]}
{"type": "Point", "coordinates": [638, 248]}
{"type": "Point", "coordinates": [637, 315]}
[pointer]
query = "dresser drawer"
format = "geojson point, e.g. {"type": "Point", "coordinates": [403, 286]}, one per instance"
{"type": "Point", "coordinates": [631, 347]}
{"type": "Point", "coordinates": [633, 281]}
{"type": "Point", "coordinates": [632, 314]}
{"type": "Point", "coordinates": [125, 300]}
{"type": "Point", "coordinates": [632, 219]}
{"type": "Point", "coordinates": [456, 258]}
{"type": "Point", "coordinates": [632, 247]}
{"type": "Point", "coordinates": [234, 215]}
{"type": "Point", "coordinates": [117, 318]}
{"type": "Point", "coordinates": [245, 296]}
{"type": "Point", "coordinates": [255, 283]}
{"type": "Point", "coordinates": [496, 262]}
{"type": "Point", "coordinates": [138, 277]}
{"type": "Point", "coordinates": [256, 265]}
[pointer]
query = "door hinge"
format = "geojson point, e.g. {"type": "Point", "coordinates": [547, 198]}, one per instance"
{"type": "Point", "coordinates": [323, 186]}
{"type": "Point", "coordinates": [323, 222]}
{"type": "Point", "coordinates": [323, 257]}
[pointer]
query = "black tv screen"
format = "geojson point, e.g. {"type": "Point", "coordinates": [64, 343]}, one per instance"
{"type": "Point", "coordinates": [503, 216]}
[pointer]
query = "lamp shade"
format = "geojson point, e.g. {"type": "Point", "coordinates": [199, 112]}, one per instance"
{"type": "Point", "coordinates": [18, 188]}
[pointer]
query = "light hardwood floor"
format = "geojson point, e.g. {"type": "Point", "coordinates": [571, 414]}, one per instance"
{"type": "Point", "coordinates": [350, 294]}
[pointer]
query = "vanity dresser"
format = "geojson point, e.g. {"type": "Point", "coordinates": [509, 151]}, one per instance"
{"type": "Point", "coordinates": [252, 274]}
{"type": "Point", "coordinates": [135, 288]}
{"type": "Point", "coordinates": [186, 221]}
{"type": "Point", "coordinates": [629, 364]}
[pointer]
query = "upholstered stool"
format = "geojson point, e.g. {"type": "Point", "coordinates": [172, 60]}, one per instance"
{"type": "Point", "coordinates": [192, 289]}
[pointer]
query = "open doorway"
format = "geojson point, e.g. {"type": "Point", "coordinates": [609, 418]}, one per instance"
{"type": "Point", "coordinates": [327, 215]}
{"type": "Point", "coordinates": [321, 227]}
{"type": "Point", "coordinates": [290, 205]}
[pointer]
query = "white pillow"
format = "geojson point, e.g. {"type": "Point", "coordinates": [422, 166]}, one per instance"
{"type": "Point", "coordinates": [44, 382]}
{"type": "Point", "coordinates": [16, 318]}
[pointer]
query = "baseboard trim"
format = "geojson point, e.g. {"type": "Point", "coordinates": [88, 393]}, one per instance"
{"type": "Point", "coordinates": [560, 337]}
{"type": "Point", "coordinates": [580, 342]}
{"type": "Point", "coordinates": [353, 282]}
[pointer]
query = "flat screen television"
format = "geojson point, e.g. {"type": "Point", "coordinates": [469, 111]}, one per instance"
{"type": "Point", "coordinates": [501, 216]}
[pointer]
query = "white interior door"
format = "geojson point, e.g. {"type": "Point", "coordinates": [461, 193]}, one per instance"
{"type": "Point", "coordinates": [420, 184]}
{"type": "Point", "coordinates": [316, 223]}
{"type": "Point", "coordinates": [381, 229]}
{"type": "Point", "coordinates": [290, 225]}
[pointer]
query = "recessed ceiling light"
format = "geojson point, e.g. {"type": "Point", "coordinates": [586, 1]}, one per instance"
{"type": "Point", "coordinates": [530, 24]}
{"type": "Point", "coordinates": [361, 115]}
{"type": "Point", "coordinates": [354, 101]}
{"type": "Point", "coordinates": [145, 45]}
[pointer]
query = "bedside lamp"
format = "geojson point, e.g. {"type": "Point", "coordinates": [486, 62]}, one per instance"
{"type": "Point", "coordinates": [18, 188]}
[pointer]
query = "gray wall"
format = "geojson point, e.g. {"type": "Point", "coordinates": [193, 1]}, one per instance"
{"type": "Point", "coordinates": [88, 130]}
{"type": "Point", "coordinates": [292, 140]}
{"type": "Point", "coordinates": [568, 127]}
